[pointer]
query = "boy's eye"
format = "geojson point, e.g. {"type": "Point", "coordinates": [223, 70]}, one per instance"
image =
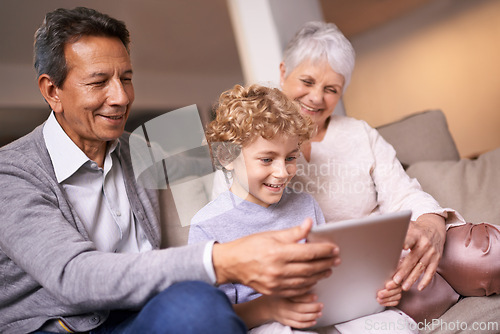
{"type": "Point", "coordinates": [266, 160]}
{"type": "Point", "coordinates": [291, 158]}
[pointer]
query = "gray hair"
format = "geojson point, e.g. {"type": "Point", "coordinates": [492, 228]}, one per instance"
{"type": "Point", "coordinates": [316, 41]}
{"type": "Point", "coordinates": [64, 26]}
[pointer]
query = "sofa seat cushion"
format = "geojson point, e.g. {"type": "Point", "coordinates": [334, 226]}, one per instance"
{"type": "Point", "coordinates": [472, 187]}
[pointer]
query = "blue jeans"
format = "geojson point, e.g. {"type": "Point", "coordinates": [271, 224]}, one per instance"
{"type": "Point", "coordinates": [186, 307]}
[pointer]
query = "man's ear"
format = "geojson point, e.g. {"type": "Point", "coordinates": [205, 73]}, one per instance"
{"type": "Point", "coordinates": [50, 92]}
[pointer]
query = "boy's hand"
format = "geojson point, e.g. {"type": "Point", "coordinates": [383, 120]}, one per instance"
{"type": "Point", "coordinates": [275, 263]}
{"type": "Point", "coordinates": [390, 295]}
{"type": "Point", "coordinates": [296, 312]}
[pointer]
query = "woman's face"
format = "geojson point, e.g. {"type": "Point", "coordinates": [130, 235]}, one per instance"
{"type": "Point", "coordinates": [316, 86]}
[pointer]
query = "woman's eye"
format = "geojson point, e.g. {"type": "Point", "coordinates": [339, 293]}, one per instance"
{"type": "Point", "coordinates": [307, 82]}
{"type": "Point", "coordinates": [331, 90]}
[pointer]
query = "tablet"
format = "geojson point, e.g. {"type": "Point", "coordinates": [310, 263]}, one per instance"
{"type": "Point", "coordinates": [370, 249]}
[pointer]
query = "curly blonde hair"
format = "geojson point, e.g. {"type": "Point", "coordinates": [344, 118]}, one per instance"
{"type": "Point", "coordinates": [245, 113]}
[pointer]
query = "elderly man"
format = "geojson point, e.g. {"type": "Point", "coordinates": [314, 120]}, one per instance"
{"type": "Point", "coordinates": [80, 239]}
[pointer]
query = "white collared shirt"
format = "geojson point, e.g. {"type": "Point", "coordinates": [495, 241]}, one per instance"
{"type": "Point", "coordinates": [97, 194]}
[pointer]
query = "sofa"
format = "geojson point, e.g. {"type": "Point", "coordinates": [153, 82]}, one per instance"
{"type": "Point", "coordinates": [427, 151]}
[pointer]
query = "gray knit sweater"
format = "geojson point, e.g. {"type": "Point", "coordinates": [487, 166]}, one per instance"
{"type": "Point", "coordinates": [49, 269]}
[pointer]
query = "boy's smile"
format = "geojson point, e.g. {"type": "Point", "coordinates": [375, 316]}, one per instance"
{"type": "Point", "coordinates": [264, 168]}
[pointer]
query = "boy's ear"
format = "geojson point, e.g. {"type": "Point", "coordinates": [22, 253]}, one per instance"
{"type": "Point", "coordinates": [223, 154]}
{"type": "Point", "coordinates": [229, 166]}
{"type": "Point", "coordinates": [50, 92]}
{"type": "Point", "coordinates": [225, 162]}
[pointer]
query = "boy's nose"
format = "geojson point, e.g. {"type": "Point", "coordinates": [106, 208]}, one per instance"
{"type": "Point", "coordinates": [280, 169]}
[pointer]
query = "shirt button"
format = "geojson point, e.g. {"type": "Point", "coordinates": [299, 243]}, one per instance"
{"type": "Point", "coordinates": [93, 165]}
{"type": "Point", "coordinates": [118, 213]}
{"type": "Point", "coordinates": [94, 320]}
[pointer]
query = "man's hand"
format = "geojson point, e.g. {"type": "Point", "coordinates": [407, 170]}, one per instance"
{"type": "Point", "coordinates": [275, 263]}
{"type": "Point", "coordinates": [425, 240]}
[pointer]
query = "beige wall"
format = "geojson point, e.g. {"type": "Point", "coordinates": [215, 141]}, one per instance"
{"type": "Point", "coordinates": [447, 56]}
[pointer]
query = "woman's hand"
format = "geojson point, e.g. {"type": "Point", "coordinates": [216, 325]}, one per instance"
{"type": "Point", "coordinates": [425, 240]}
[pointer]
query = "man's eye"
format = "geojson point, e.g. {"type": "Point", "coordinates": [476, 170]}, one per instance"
{"type": "Point", "coordinates": [98, 83]}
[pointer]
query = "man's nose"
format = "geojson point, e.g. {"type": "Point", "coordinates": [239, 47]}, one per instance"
{"type": "Point", "coordinates": [117, 95]}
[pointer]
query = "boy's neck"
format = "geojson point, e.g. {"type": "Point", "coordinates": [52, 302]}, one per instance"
{"type": "Point", "coordinates": [244, 195]}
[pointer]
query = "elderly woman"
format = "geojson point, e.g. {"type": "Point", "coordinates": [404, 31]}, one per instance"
{"type": "Point", "coordinates": [349, 169]}
{"type": "Point", "coordinates": [352, 171]}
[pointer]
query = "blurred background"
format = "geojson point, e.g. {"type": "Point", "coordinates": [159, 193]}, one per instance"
{"type": "Point", "coordinates": [412, 55]}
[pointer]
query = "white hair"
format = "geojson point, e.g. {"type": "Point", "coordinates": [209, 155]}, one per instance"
{"type": "Point", "coordinates": [317, 41]}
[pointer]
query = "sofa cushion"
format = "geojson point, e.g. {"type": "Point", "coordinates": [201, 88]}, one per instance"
{"type": "Point", "coordinates": [472, 187]}
{"type": "Point", "coordinates": [178, 206]}
{"type": "Point", "coordinates": [478, 311]}
{"type": "Point", "coordinates": [420, 137]}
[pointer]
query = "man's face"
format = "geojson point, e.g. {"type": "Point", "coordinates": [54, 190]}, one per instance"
{"type": "Point", "coordinates": [96, 97]}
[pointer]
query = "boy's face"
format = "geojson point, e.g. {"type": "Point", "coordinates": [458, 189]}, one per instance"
{"type": "Point", "coordinates": [264, 168]}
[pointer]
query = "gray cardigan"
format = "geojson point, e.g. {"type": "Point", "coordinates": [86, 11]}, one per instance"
{"type": "Point", "coordinates": [49, 268]}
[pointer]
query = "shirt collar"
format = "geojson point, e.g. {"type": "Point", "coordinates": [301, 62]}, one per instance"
{"type": "Point", "coordinates": [66, 156]}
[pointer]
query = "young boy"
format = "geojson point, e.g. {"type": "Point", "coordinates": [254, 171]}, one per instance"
{"type": "Point", "coordinates": [256, 137]}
